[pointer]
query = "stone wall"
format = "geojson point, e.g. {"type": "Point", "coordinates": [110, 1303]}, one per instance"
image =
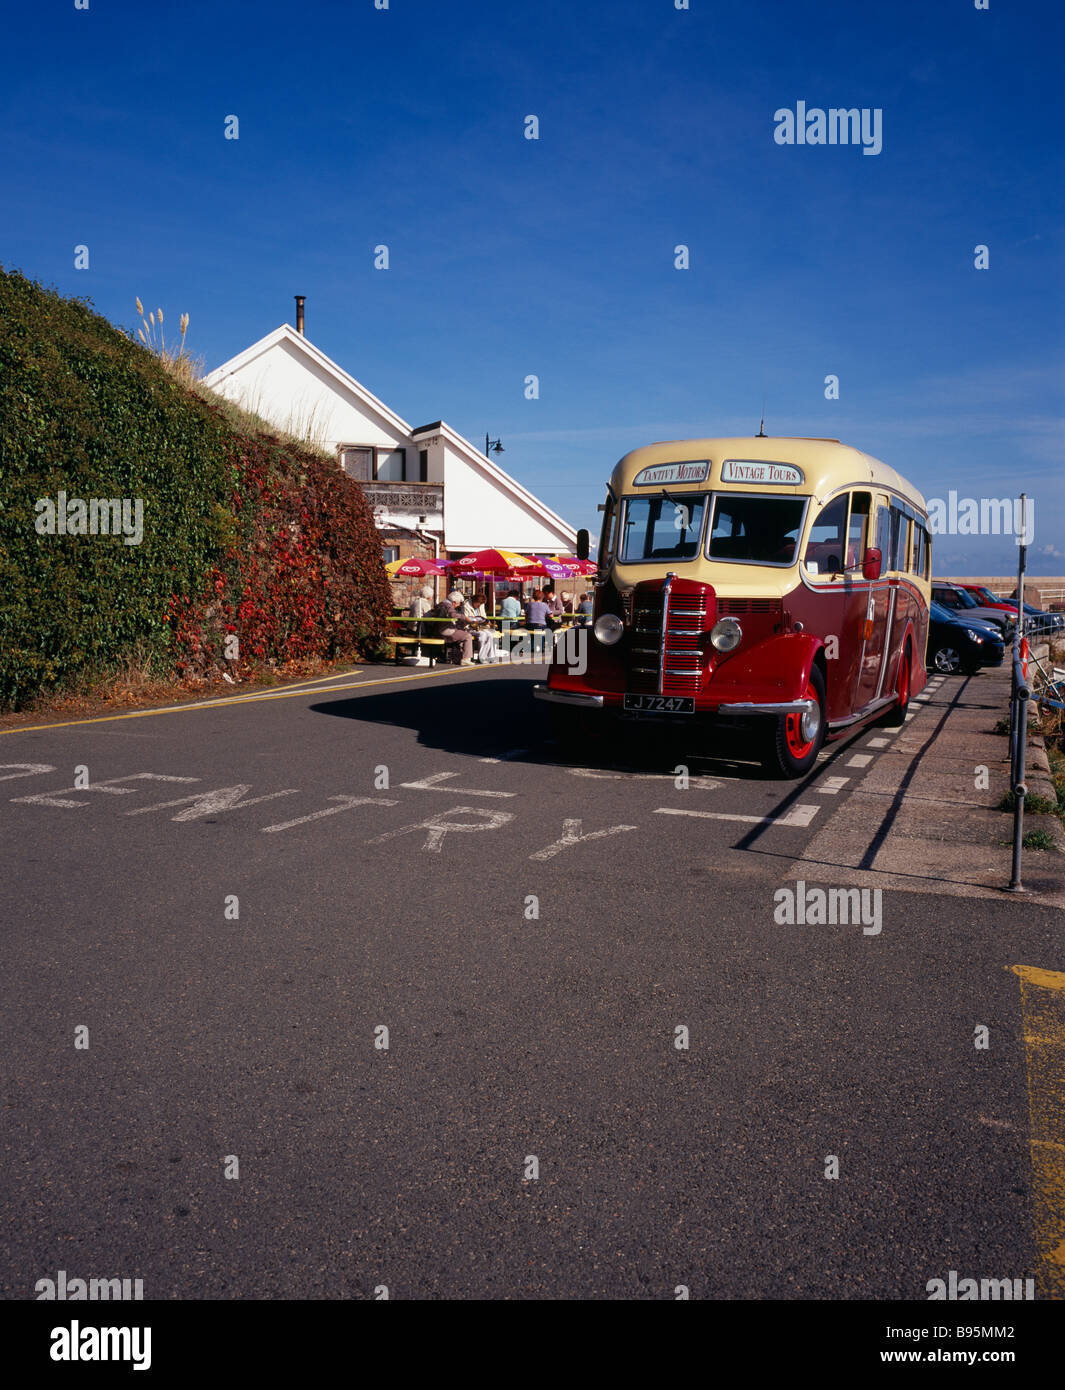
{"type": "Point", "coordinates": [1043, 591]}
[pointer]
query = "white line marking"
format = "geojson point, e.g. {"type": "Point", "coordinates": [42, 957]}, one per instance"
{"type": "Point", "coordinates": [54, 799]}
{"type": "Point", "coordinates": [212, 803]}
{"type": "Point", "coordinates": [429, 784]}
{"type": "Point", "coordinates": [348, 802]}
{"type": "Point", "coordinates": [571, 835]}
{"type": "Point", "coordinates": [832, 785]}
{"type": "Point", "coordinates": [877, 743]}
{"type": "Point", "coordinates": [700, 783]}
{"type": "Point", "coordinates": [438, 828]}
{"type": "Point", "coordinates": [797, 816]}
{"type": "Point", "coordinates": [861, 760]}
{"type": "Point", "coordinates": [29, 770]}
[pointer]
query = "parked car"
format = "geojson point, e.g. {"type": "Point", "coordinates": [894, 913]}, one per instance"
{"type": "Point", "coordinates": [1038, 619]}
{"type": "Point", "coordinates": [962, 603]}
{"type": "Point", "coordinates": [958, 644]}
{"type": "Point", "coordinates": [983, 595]}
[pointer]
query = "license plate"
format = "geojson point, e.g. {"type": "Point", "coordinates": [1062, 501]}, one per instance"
{"type": "Point", "coordinates": [660, 704]}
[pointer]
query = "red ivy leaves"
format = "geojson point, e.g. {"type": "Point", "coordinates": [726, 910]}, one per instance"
{"type": "Point", "coordinates": [306, 580]}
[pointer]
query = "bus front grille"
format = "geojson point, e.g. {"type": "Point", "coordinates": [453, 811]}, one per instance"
{"type": "Point", "coordinates": [667, 659]}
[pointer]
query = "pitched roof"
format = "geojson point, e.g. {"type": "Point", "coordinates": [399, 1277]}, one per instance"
{"type": "Point", "coordinates": [473, 456]}
{"type": "Point", "coordinates": [287, 334]}
{"type": "Point", "coordinates": [346, 382]}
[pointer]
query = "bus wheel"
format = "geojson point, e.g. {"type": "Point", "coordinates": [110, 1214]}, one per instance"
{"type": "Point", "coordinates": [795, 739]}
{"type": "Point", "coordinates": [896, 715]}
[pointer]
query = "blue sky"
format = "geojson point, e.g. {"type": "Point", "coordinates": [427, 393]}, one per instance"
{"type": "Point", "coordinates": [554, 257]}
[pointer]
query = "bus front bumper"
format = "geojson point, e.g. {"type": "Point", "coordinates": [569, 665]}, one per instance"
{"type": "Point", "coordinates": [739, 708]}
{"type": "Point", "coordinates": [567, 697]}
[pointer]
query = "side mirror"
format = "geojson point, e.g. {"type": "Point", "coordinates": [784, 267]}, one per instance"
{"type": "Point", "coordinates": [584, 544]}
{"type": "Point", "coordinates": [871, 563]}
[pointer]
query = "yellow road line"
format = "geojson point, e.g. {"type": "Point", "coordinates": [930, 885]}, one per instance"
{"type": "Point", "coordinates": [1043, 1014]}
{"type": "Point", "coordinates": [287, 694]}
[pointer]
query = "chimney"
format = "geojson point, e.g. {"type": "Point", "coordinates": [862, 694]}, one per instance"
{"type": "Point", "coordinates": [300, 298]}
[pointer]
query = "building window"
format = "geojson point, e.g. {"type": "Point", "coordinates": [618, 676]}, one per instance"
{"type": "Point", "coordinates": [390, 553]}
{"type": "Point", "coordinates": [358, 464]}
{"type": "Point", "coordinates": [369, 463]}
{"type": "Point", "coordinates": [423, 465]}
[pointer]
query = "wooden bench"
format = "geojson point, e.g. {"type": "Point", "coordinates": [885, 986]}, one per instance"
{"type": "Point", "coordinates": [400, 640]}
{"type": "Point", "coordinates": [437, 647]}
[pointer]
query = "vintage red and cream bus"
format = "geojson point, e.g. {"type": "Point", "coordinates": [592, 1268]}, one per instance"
{"type": "Point", "coordinates": [774, 586]}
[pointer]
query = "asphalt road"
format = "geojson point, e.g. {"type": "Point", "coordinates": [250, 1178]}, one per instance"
{"type": "Point", "coordinates": [531, 933]}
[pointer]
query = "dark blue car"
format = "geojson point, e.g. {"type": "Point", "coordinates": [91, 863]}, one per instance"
{"type": "Point", "coordinates": [959, 645]}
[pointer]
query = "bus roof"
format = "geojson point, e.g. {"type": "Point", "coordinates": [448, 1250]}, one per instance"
{"type": "Point", "coordinates": [827, 465]}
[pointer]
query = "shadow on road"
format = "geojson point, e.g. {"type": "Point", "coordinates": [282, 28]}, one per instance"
{"type": "Point", "coordinates": [493, 718]}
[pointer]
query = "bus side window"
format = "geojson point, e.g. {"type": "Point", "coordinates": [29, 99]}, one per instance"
{"type": "Point", "coordinates": [920, 550]}
{"type": "Point", "coordinates": [900, 540]}
{"type": "Point", "coordinates": [826, 546]}
{"type": "Point", "coordinates": [857, 530]}
{"type": "Point", "coordinates": [883, 536]}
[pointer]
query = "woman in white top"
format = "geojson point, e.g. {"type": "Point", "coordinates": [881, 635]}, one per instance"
{"type": "Point", "coordinates": [486, 637]}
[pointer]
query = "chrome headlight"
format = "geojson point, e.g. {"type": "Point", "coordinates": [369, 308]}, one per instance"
{"type": "Point", "coordinates": [973, 636]}
{"type": "Point", "coordinates": [608, 629]}
{"type": "Point", "coordinates": [726, 634]}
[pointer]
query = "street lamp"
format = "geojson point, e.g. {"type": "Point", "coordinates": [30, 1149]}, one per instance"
{"type": "Point", "coordinates": [494, 446]}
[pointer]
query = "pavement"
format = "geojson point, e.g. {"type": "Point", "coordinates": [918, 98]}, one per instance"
{"type": "Point", "coordinates": [379, 992]}
{"type": "Point", "coordinates": [927, 814]}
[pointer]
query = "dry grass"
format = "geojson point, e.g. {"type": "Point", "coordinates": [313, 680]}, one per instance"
{"type": "Point", "coordinates": [135, 685]}
{"type": "Point", "coordinates": [247, 420]}
{"type": "Point", "coordinates": [303, 429]}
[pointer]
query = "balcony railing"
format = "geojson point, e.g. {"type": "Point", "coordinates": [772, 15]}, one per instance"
{"type": "Point", "coordinates": [427, 498]}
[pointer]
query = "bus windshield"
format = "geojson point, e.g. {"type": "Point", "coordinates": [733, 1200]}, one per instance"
{"type": "Point", "coordinates": [755, 530]}
{"type": "Point", "coordinates": [664, 527]}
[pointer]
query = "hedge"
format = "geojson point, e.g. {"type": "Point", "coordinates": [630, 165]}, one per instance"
{"type": "Point", "coordinates": [243, 537]}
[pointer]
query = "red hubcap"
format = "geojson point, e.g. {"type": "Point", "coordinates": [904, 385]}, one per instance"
{"type": "Point", "coordinates": [798, 744]}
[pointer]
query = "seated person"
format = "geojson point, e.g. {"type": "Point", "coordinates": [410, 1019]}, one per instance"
{"type": "Point", "coordinates": [455, 631]}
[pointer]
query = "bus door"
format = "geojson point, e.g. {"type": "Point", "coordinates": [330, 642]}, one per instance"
{"type": "Point", "coordinates": [897, 562]}
{"type": "Point", "coordinates": [879, 602]}
{"type": "Point", "coordinates": [832, 563]}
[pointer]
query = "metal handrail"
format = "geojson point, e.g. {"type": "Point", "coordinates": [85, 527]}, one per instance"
{"type": "Point", "coordinates": [1020, 694]}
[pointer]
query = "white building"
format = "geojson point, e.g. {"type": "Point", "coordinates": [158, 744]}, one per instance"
{"type": "Point", "coordinates": [431, 490]}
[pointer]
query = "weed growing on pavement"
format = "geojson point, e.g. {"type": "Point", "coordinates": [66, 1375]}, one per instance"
{"type": "Point", "coordinates": [1033, 803]}
{"type": "Point", "coordinates": [1038, 839]}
